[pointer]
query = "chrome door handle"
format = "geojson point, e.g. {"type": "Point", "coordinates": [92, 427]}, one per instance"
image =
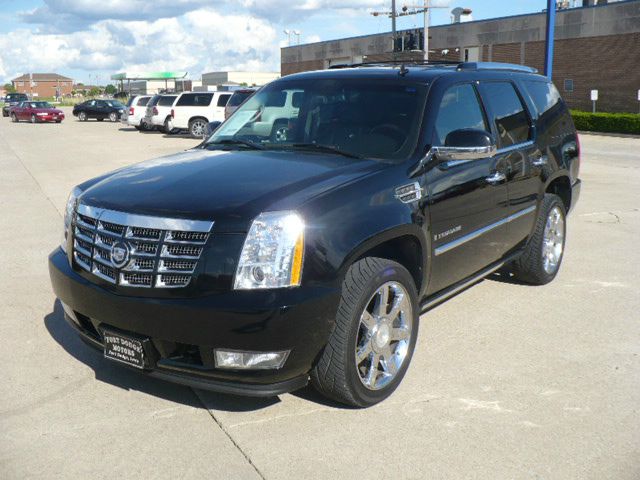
{"type": "Point", "coordinates": [496, 178]}
{"type": "Point", "coordinates": [541, 161]}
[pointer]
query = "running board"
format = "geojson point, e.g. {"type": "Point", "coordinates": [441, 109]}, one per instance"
{"type": "Point", "coordinates": [449, 292]}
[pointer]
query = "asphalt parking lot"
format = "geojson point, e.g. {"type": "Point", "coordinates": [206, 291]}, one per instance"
{"type": "Point", "coordinates": [507, 381]}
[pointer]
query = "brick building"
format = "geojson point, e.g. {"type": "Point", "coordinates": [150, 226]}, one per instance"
{"type": "Point", "coordinates": [597, 47]}
{"type": "Point", "coordinates": [43, 84]}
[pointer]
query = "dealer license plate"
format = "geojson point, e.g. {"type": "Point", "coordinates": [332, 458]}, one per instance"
{"type": "Point", "coordinates": [122, 348]}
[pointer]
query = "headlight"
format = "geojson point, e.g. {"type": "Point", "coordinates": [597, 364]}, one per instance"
{"type": "Point", "coordinates": [68, 215]}
{"type": "Point", "coordinates": [272, 253]}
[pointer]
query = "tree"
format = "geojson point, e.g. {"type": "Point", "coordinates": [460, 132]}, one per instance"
{"type": "Point", "coordinates": [110, 89]}
{"type": "Point", "coordinates": [94, 92]}
{"type": "Point", "coordinates": [9, 88]}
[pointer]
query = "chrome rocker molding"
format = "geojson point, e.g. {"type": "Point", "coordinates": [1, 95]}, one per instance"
{"type": "Point", "coordinates": [476, 233]}
{"type": "Point", "coordinates": [441, 296]}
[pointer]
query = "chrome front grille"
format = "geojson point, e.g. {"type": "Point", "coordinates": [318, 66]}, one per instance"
{"type": "Point", "coordinates": [158, 252]}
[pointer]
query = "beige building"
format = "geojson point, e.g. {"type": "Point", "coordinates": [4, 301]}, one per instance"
{"type": "Point", "coordinates": [238, 78]}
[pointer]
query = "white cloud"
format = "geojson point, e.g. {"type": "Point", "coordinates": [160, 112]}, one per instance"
{"type": "Point", "coordinates": [101, 37]}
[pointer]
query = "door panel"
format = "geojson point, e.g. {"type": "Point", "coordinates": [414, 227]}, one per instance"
{"type": "Point", "coordinates": [467, 215]}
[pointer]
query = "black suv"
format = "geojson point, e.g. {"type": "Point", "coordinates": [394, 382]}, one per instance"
{"type": "Point", "coordinates": [304, 238]}
{"type": "Point", "coordinates": [11, 100]}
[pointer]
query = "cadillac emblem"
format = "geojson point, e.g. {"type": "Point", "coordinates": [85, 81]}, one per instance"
{"type": "Point", "coordinates": [119, 254]}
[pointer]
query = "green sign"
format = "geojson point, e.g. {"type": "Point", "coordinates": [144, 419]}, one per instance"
{"type": "Point", "coordinates": [148, 75]}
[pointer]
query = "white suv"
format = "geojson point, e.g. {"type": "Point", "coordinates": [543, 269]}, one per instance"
{"type": "Point", "coordinates": [134, 114]}
{"type": "Point", "coordinates": [192, 111]}
{"type": "Point", "coordinates": [158, 112]}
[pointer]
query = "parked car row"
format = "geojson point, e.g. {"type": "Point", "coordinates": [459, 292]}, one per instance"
{"type": "Point", "coordinates": [169, 113]}
{"type": "Point", "coordinates": [187, 111]}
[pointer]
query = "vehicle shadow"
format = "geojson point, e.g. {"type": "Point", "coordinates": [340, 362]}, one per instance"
{"type": "Point", "coordinates": [128, 379]}
{"type": "Point", "coordinates": [505, 275]}
{"type": "Point", "coordinates": [127, 129]}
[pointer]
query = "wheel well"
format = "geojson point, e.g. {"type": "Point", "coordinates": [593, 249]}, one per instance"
{"type": "Point", "coordinates": [561, 187]}
{"type": "Point", "coordinates": [193, 119]}
{"type": "Point", "coordinates": [405, 250]}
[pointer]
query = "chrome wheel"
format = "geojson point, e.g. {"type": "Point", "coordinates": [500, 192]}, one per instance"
{"type": "Point", "coordinates": [82, 116]}
{"type": "Point", "coordinates": [553, 240]}
{"type": "Point", "coordinates": [113, 116]}
{"type": "Point", "coordinates": [198, 128]}
{"type": "Point", "coordinates": [384, 334]}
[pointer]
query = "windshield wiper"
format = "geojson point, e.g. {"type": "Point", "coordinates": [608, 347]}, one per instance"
{"type": "Point", "coordinates": [236, 141]}
{"type": "Point", "coordinates": [325, 148]}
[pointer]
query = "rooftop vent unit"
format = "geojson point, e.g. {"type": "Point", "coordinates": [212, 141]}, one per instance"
{"type": "Point", "coordinates": [460, 14]}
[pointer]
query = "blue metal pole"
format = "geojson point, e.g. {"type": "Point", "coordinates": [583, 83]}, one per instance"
{"type": "Point", "coordinates": [551, 25]}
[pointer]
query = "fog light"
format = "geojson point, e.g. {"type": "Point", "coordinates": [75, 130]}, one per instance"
{"type": "Point", "coordinates": [250, 360]}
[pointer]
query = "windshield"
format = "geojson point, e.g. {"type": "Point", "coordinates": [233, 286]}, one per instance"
{"type": "Point", "coordinates": [16, 97]}
{"type": "Point", "coordinates": [360, 118]}
{"type": "Point", "coordinates": [40, 105]}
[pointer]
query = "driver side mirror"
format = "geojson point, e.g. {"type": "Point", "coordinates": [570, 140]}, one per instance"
{"type": "Point", "coordinates": [466, 144]}
{"type": "Point", "coordinates": [211, 127]}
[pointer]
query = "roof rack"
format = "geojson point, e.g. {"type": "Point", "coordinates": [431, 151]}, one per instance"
{"type": "Point", "coordinates": [511, 67]}
{"type": "Point", "coordinates": [395, 62]}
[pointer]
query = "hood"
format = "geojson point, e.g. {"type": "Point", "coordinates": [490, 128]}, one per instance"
{"type": "Point", "coordinates": [229, 187]}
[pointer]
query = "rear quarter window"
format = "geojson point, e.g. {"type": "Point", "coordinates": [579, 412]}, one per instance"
{"type": "Point", "coordinates": [195, 100]}
{"type": "Point", "coordinates": [238, 97]}
{"type": "Point", "coordinates": [223, 99]}
{"type": "Point", "coordinates": [543, 95]}
{"type": "Point", "coordinates": [166, 101]}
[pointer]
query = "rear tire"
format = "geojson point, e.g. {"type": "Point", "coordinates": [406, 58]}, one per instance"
{"type": "Point", "coordinates": [370, 348]}
{"type": "Point", "coordinates": [198, 127]}
{"type": "Point", "coordinates": [540, 262]}
{"type": "Point", "coordinates": [168, 126]}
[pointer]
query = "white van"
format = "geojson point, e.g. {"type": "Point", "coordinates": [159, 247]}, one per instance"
{"type": "Point", "coordinates": [193, 110]}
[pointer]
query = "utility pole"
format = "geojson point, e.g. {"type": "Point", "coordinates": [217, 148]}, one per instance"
{"type": "Point", "coordinates": [550, 35]}
{"type": "Point", "coordinates": [410, 10]}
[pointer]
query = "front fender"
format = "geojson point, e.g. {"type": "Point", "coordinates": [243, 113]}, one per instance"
{"type": "Point", "coordinates": [352, 220]}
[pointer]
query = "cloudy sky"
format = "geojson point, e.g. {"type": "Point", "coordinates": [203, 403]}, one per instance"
{"type": "Point", "coordinates": [91, 39]}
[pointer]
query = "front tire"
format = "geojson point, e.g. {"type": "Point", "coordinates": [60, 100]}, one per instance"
{"type": "Point", "coordinates": [113, 117]}
{"type": "Point", "coordinates": [375, 334]}
{"type": "Point", "coordinates": [33, 118]}
{"type": "Point", "coordinates": [14, 119]}
{"type": "Point", "coordinates": [82, 116]}
{"type": "Point", "coordinates": [540, 262]}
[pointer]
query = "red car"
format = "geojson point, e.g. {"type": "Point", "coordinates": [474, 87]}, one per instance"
{"type": "Point", "coordinates": [36, 112]}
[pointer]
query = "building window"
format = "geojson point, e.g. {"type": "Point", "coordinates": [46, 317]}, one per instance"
{"type": "Point", "coordinates": [568, 85]}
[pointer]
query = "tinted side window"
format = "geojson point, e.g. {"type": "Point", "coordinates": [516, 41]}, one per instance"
{"type": "Point", "coordinates": [544, 95]}
{"type": "Point", "coordinates": [508, 113]}
{"type": "Point", "coordinates": [223, 99]}
{"type": "Point", "coordinates": [143, 101]}
{"type": "Point", "coordinates": [166, 101]}
{"type": "Point", "coordinates": [195, 100]}
{"type": "Point", "coordinates": [276, 99]}
{"type": "Point", "coordinates": [459, 109]}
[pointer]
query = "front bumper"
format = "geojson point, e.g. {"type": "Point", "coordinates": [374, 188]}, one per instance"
{"type": "Point", "coordinates": [50, 118]}
{"type": "Point", "coordinates": [181, 333]}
